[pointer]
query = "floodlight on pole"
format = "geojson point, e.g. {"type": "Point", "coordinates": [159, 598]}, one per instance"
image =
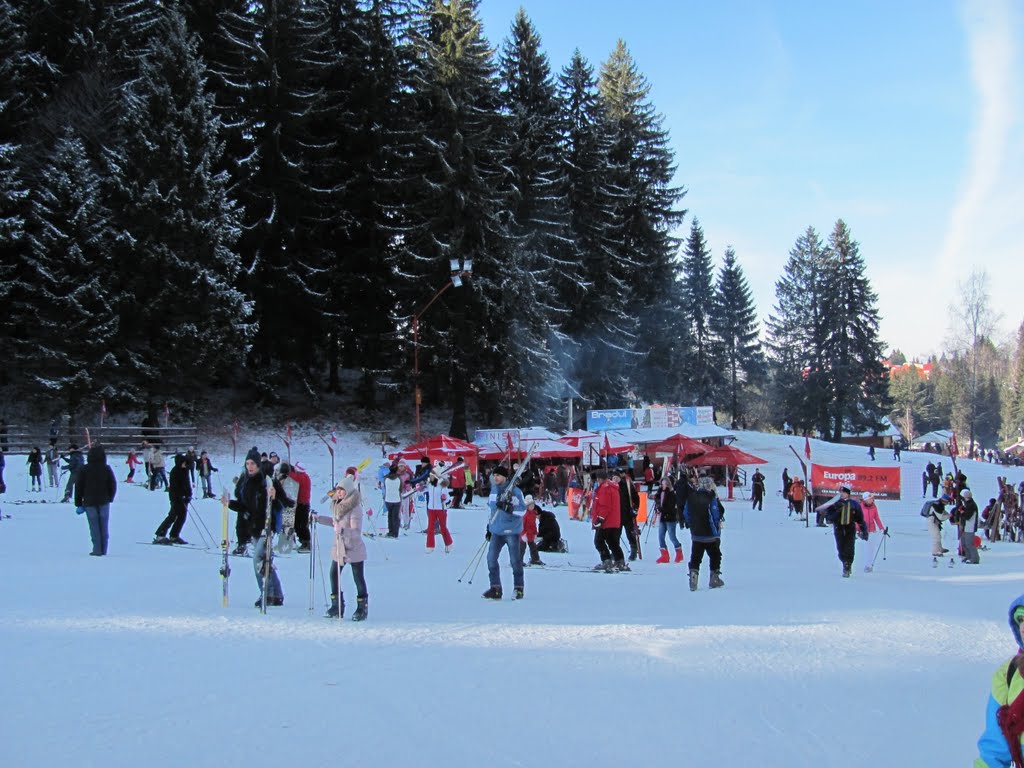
{"type": "Point", "coordinates": [459, 269]}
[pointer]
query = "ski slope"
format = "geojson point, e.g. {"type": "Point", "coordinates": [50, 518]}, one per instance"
{"type": "Point", "coordinates": [130, 660]}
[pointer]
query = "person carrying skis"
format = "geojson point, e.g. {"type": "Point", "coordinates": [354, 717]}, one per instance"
{"type": "Point", "coordinates": [935, 511]}
{"type": "Point", "coordinates": [704, 516]}
{"type": "Point", "coordinates": [504, 527]}
{"type": "Point", "coordinates": [252, 493]}
{"type": "Point", "coordinates": [437, 510]}
{"type": "Point", "coordinates": [1000, 743]}
{"type": "Point", "coordinates": [348, 549]}
{"type": "Point", "coordinates": [847, 519]}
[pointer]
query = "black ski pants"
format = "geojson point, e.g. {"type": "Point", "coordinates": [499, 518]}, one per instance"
{"type": "Point", "coordinates": [714, 550]}
{"type": "Point", "coordinates": [846, 540]}
{"type": "Point", "coordinates": [758, 502]}
{"type": "Point", "coordinates": [302, 523]}
{"type": "Point", "coordinates": [175, 519]}
{"type": "Point", "coordinates": [606, 540]}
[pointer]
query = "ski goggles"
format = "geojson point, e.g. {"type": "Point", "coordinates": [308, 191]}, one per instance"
{"type": "Point", "coordinates": [1018, 616]}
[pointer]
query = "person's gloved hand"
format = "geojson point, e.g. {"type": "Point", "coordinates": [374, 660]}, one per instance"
{"type": "Point", "coordinates": [487, 535]}
{"type": "Point", "coordinates": [864, 535]}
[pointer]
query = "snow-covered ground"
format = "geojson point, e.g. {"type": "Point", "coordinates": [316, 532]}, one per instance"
{"type": "Point", "coordinates": [129, 660]}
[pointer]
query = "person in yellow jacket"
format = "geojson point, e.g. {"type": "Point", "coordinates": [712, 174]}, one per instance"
{"type": "Point", "coordinates": [1000, 744]}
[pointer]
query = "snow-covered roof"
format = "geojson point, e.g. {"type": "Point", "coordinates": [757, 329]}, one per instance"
{"type": "Point", "coordinates": [887, 430]}
{"type": "Point", "coordinates": [941, 436]}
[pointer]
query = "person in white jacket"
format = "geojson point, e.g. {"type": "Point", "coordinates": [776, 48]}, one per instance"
{"type": "Point", "coordinates": [935, 511]}
{"type": "Point", "coordinates": [437, 511]}
{"type": "Point", "coordinates": [392, 484]}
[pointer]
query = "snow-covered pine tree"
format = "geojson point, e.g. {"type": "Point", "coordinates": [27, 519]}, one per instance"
{"type": "Point", "coordinates": [602, 323]}
{"type": "Point", "coordinates": [540, 244]}
{"type": "Point", "coordinates": [182, 320]}
{"type": "Point", "coordinates": [368, 117]}
{"type": "Point", "coordinates": [703, 371]}
{"type": "Point", "coordinates": [733, 322]}
{"type": "Point", "coordinates": [641, 170]}
{"type": "Point", "coordinates": [62, 305]}
{"type": "Point", "coordinates": [282, 246]}
{"type": "Point", "coordinates": [796, 334]}
{"type": "Point", "coordinates": [458, 212]}
{"type": "Point", "coordinates": [859, 384]}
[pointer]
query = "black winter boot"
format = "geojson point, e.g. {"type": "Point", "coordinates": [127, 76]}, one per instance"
{"type": "Point", "coordinates": [494, 593]}
{"type": "Point", "coordinates": [620, 565]}
{"type": "Point", "coordinates": [361, 604]}
{"type": "Point", "coordinates": [337, 609]}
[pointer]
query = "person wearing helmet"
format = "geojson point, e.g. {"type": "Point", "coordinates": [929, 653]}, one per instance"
{"type": "Point", "coordinates": [1000, 743]}
{"type": "Point", "coordinates": [968, 527]}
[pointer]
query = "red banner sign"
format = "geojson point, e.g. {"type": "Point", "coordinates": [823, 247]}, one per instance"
{"type": "Point", "coordinates": [884, 482]}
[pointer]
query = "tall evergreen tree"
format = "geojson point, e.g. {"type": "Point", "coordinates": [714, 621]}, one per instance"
{"type": "Point", "coordinates": [698, 306]}
{"type": "Point", "coordinates": [540, 245]}
{"type": "Point", "coordinates": [642, 169]}
{"type": "Point", "coordinates": [858, 384]}
{"type": "Point", "coordinates": [182, 321]}
{"type": "Point", "coordinates": [282, 244]}
{"type": "Point", "coordinates": [797, 332]}
{"type": "Point", "coordinates": [733, 322]}
{"type": "Point", "coordinates": [603, 323]}
{"type": "Point", "coordinates": [458, 214]}
{"type": "Point", "coordinates": [65, 329]}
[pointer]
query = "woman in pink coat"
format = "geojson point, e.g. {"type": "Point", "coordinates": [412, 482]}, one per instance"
{"type": "Point", "coordinates": [347, 520]}
{"type": "Point", "coordinates": [870, 510]}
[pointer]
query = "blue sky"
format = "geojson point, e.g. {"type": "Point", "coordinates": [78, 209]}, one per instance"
{"type": "Point", "coordinates": [902, 118]}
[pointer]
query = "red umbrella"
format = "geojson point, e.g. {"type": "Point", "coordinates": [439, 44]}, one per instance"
{"type": "Point", "coordinates": [679, 445]}
{"type": "Point", "coordinates": [724, 456]}
{"type": "Point", "coordinates": [542, 449]}
{"type": "Point", "coordinates": [440, 447]}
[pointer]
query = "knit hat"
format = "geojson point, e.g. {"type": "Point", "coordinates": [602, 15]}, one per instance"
{"type": "Point", "coordinates": [868, 496]}
{"type": "Point", "coordinates": [254, 455]}
{"type": "Point", "coordinates": [347, 484]}
{"type": "Point", "coordinates": [352, 471]}
{"type": "Point", "coordinates": [966, 493]}
{"type": "Point", "coordinates": [503, 471]}
{"type": "Point", "coordinates": [707, 484]}
{"type": "Point", "coordinates": [528, 499]}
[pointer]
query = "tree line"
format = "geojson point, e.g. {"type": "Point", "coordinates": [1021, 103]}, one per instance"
{"type": "Point", "coordinates": [264, 193]}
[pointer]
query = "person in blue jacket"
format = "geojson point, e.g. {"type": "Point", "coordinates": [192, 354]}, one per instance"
{"type": "Point", "coordinates": [1000, 744]}
{"type": "Point", "coordinates": [503, 529]}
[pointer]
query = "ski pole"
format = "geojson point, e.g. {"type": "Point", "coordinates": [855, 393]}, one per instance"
{"type": "Point", "coordinates": [473, 559]}
{"type": "Point", "coordinates": [478, 561]}
{"type": "Point", "coordinates": [312, 565]}
{"type": "Point", "coordinates": [207, 538]}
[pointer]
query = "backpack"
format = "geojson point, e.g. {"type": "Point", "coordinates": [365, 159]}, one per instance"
{"type": "Point", "coordinates": [926, 510]}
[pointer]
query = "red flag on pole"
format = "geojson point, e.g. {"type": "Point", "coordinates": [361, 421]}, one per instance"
{"type": "Point", "coordinates": [334, 438]}
{"type": "Point", "coordinates": [807, 447]}
{"type": "Point", "coordinates": [954, 449]}
{"type": "Point", "coordinates": [508, 436]}
{"type": "Point", "coordinates": [607, 446]}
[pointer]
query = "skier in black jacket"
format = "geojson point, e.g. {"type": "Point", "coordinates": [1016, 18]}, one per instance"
{"type": "Point", "coordinates": [549, 534]}
{"type": "Point", "coordinates": [846, 517]}
{"type": "Point", "coordinates": [179, 490]}
{"type": "Point", "coordinates": [250, 503]}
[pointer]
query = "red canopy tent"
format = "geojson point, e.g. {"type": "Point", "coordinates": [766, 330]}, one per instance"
{"type": "Point", "coordinates": [439, 448]}
{"type": "Point", "coordinates": [679, 445]}
{"type": "Point", "coordinates": [592, 446]}
{"type": "Point", "coordinates": [724, 456]}
{"type": "Point", "coordinates": [543, 449]}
